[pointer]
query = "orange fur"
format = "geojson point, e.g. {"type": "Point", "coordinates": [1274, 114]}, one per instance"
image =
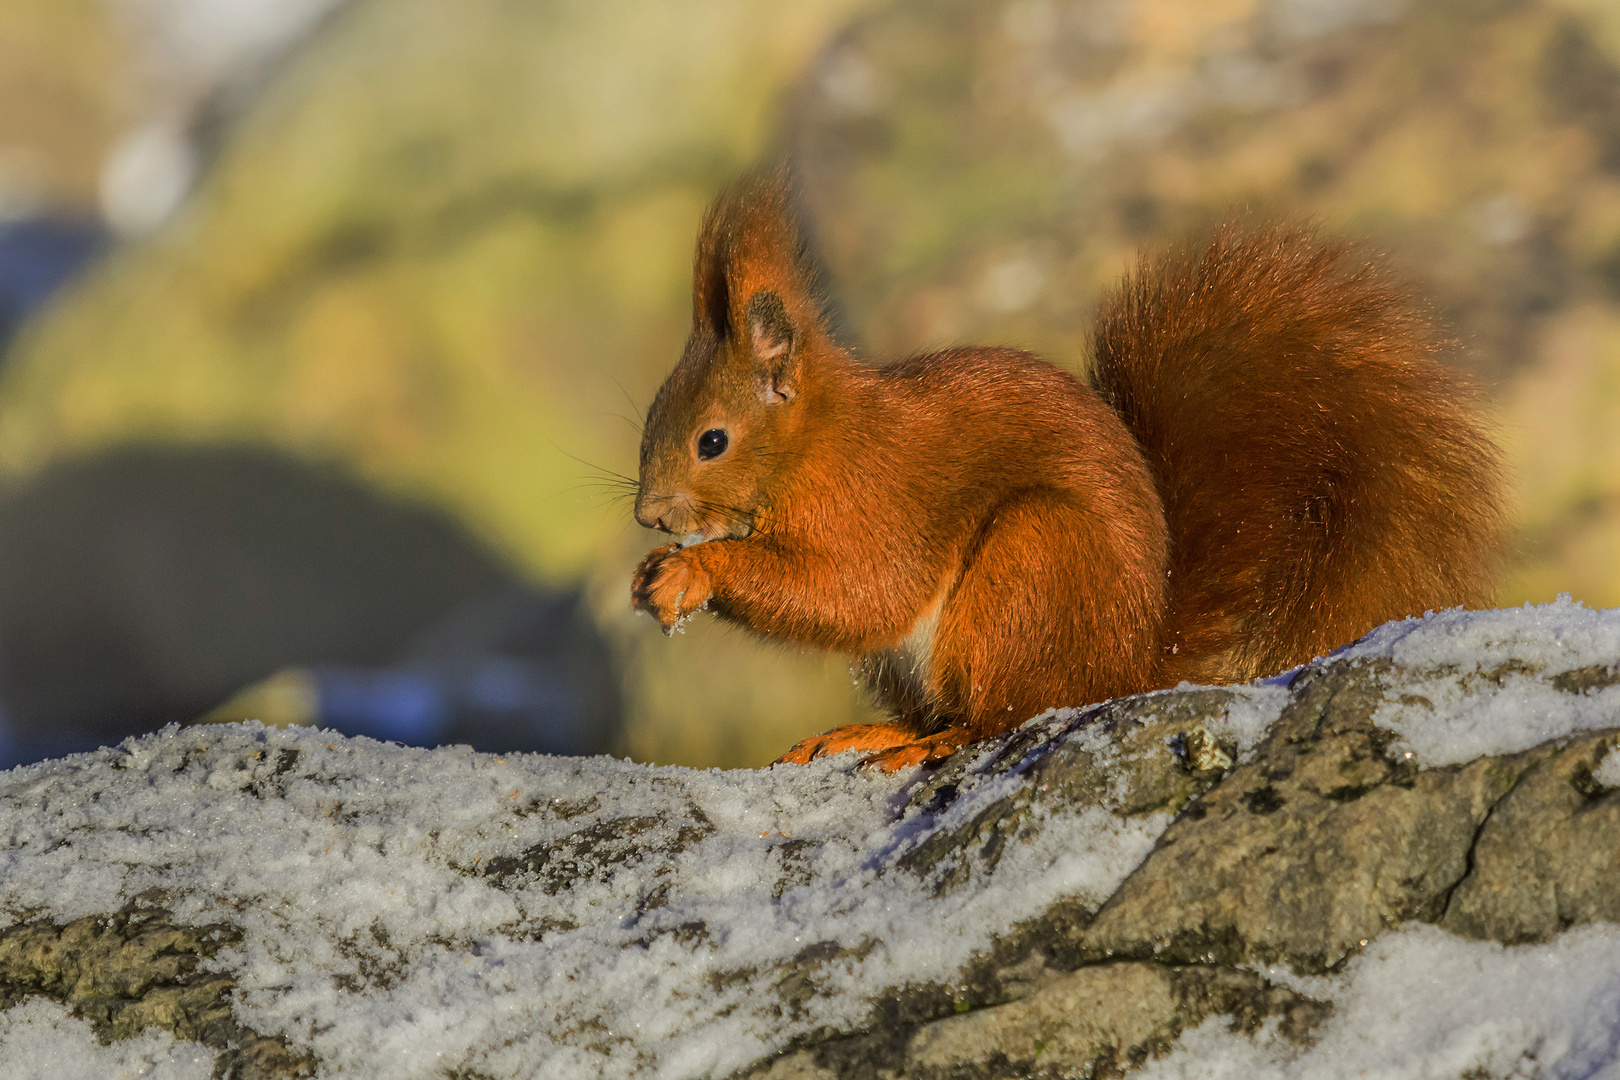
{"type": "Point", "coordinates": [1321, 471]}
{"type": "Point", "coordinates": [1272, 463]}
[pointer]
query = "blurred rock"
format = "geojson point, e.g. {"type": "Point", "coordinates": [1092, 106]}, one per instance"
{"type": "Point", "coordinates": [142, 587]}
{"type": "Point", "coordinates": [511, 672]}
{"type": "Point", "coordinates": [197, 65]}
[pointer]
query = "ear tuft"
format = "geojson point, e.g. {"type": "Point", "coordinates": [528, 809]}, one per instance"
{"type": "Point", "coordinates": [756, 285]}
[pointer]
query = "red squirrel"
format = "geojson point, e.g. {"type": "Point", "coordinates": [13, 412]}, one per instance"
{"type": "Point", "coordinates": [1268, 460]}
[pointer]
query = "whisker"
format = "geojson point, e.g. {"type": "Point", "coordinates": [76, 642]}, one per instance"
{"type": "Point", "coordinates": [605, 487]}
{"type": "Point", "coordinates": [637, 409]}
{"type": "Point", "coordinates": [734, 513]}
{"type": "Point", "coordinates": [604, 473]}
{"type": "Point", "coordinates": [614, 494]}
{"type": "Point", "coordinates": [612, 481]}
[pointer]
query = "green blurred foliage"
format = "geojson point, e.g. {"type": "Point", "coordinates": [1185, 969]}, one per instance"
{"type": "Point", "coordinates": [448, 248]}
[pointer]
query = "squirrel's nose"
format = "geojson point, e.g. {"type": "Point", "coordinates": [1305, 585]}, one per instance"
{"type": "Point", "coordinates": [646, 513]}
{"type": "Point", "coordinates": [662, 512]}
{"type": "Point", "coordinates": [651, 520]}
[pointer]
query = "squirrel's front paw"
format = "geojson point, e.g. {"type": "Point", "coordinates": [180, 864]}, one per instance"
{"type": "Point", "coordinates": [669, 585]}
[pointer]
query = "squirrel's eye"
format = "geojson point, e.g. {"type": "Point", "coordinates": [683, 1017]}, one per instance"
{"type": "Point", "coordinates": [712, 443]}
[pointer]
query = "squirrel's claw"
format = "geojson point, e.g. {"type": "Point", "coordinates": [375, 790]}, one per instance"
{"type": "Point", "coordinates": [642, 578]}
{"type": "Point", "coordinates": [917, 752]}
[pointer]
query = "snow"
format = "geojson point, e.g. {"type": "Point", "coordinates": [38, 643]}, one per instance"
{"type": "Point", "coordinates": [1249, 715]}
{"type": "Point", "coordinates": [1420, 1003]}
{"type": "Point", "coordinates": [372, 937]}
{"type": "Point", "coordinates": [43, 1041]}
{"type": "Point", "coordinates": [403, 911]}
{"type": "Point", "coordinates": [1440, 714]}
{"type": "Point", "coordinates": [1607, 774]}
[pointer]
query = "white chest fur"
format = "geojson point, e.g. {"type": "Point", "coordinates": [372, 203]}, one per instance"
{"type": "Point", "coordinates": [908, 665]}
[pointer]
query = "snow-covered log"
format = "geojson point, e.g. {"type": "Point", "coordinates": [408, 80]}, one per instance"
{"type": "Point", "coordinates": [1403, 860]}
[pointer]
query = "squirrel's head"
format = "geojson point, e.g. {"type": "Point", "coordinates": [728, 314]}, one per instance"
{"type": "Point", "coordinates": [726, 422]}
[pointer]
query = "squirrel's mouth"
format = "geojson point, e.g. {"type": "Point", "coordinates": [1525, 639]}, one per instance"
{"type": "Point", "coordinates": [692, 519]}
{"type": "Point", "coordinates": [738, 529]}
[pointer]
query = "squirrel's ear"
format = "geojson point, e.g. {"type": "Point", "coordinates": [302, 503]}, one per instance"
{"type": "Point", "coordinates": [773, 337]}
{"type": "Point", "coordinates": [709, 288]}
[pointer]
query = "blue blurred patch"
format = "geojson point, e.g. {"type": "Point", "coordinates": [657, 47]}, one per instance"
{"type": "Point", "coordinates": [521, 670]}
{"type": "Point", "coordinates": [491, 702]}
{"type": "Point", "coordinates": [404, 706]}
{"type": "Point", "coordinates": [26, 747]}
{"type": "Point", "coordinates": [37, 257]}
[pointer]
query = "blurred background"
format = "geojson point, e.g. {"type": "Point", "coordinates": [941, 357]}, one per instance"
{"type": "Point", "coordinates": [326, 324]}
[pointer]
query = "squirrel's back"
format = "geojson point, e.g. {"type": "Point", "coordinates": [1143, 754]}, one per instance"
{"type": "Point", "coordinates": [1321, 470]}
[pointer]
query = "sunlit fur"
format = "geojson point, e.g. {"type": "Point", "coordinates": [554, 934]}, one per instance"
{"type": "Point", "coordinates": [1321, 471]}
{"type": "Point", "coordinates": [1272, 462]}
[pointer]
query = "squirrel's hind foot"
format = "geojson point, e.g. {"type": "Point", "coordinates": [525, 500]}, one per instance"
{"type": "Point", "coordinates": [894, 745]}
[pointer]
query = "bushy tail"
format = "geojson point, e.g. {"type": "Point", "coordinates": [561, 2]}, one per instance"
{"type": "Point", "coordinates": [1321, 470]}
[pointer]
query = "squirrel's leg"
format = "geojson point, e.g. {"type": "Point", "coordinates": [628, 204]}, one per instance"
{"type": "Point", "coordinates": [1058, 605]}
{"type": "Point", "coordinates": [893, 745]}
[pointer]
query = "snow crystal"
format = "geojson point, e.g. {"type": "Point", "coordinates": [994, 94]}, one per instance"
{"type": "Point", "coordinates": [1440, 713]}
{"type": "Point", "coordinates": [1420, 1003]}
{"type": "Point", "coordinates": [43, 1041]}
{"type": "Point", "coordinates": [1249, 715]}
{"type": "Point", "coordinates": [1608, 771]}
